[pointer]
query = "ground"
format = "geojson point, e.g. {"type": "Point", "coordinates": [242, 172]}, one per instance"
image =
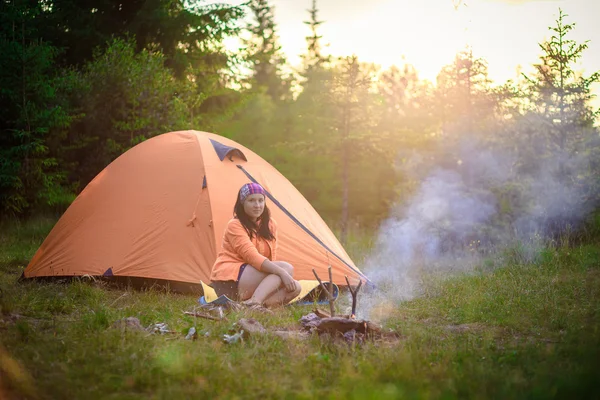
{"type": "Point", "coordinates": [519, 331]}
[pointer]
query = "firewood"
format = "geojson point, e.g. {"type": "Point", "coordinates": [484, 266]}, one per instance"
{"type": "Point", "coordinates": [321, 313]}
{"type": "Point", "coordinates": [354, 293]}
{"type": "Point", "coordinates": [201, 315]}
{"type": "Point", "coordinates": [328, 292]}
{"type": "Point", "coordinates": [324, 314]}
{"type": "Point", "coordinates": [342, 325]}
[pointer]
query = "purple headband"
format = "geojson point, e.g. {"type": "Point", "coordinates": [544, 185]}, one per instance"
{"type": "Point", "coordinates": [251, 188]}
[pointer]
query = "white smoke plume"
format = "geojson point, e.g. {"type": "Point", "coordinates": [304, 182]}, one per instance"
{"type": "Point", "coordinates": [457, 218]}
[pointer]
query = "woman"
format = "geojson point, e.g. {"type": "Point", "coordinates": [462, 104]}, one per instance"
{"type": "Point", "coordinates": [245, 269]}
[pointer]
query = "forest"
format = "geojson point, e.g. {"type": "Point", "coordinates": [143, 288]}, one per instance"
{"type": "Point", "coordinates": [82, 82]}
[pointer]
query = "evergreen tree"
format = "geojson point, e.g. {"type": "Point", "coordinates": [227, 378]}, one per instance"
{"type": "Point", "coordinates": [31, 113]}
{"type": "Point", "coordinates": [123, 98]}
{"type": "Point", "coordinates": [316, 71]}
{"type": "Point", "coordinates": [465, 98]}
{"type": "Point", "coordinates": [314, 59]}
{"type": "Point", "coordinates": [185, 31]}
{"type": "Point", "coordinates": [558, 94]}
{"type": "Point", "coordinates": [407, 124]}
{"type": "Point", "coordinates": [557, 129]}
{"type": "Point", "coordinates": [407, 103]}
{"type": "Point", "coordinates": [361, 155]}
{"type": "Point", "coordinates": [264, 52]}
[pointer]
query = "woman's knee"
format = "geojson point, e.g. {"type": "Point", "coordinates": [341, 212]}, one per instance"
{"type": "Point", "coordinates": [287, 267]}
{"type": "Point", "coordinates": [296, 290]}
{"type": "Point", "coordinates": [249, 281]}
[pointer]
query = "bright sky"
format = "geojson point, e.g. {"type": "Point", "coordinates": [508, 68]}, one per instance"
{"type": "Point", "coordinates": [428, 33]}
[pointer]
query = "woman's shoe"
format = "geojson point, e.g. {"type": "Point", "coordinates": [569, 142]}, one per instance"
{"type": "Point", "coordinates": [256, 307]}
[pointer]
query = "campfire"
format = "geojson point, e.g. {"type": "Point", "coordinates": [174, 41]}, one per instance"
{"type": "Point", "coordinates": [346, 326]}
{"type": "Point", "coordinates": [320, 322]}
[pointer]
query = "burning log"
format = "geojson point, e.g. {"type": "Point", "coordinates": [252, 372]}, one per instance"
{"type": "Point", "coordinates": [336, 325]}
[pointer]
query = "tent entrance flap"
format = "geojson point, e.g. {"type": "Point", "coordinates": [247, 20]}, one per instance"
{"type": "Point", "coordinates": [227, 151]}
{"type": "Point", "coordinates": [301, 225]}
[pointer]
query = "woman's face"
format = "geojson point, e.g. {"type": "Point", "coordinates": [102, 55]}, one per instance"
{"type": "Point", "coordinates": [254, 205]}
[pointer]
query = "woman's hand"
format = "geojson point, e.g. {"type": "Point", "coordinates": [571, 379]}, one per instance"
{"type": "Point", "coordinates": [269, 267]}
{"type": "Point", "coordinates": [287, 280]}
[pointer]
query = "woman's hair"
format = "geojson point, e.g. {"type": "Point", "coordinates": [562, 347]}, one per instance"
{"type": "Point", "coordinates": [262, 229]}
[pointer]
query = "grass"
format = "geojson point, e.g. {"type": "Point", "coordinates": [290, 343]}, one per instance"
{"type": "Point", "coordinates": [520, 331]}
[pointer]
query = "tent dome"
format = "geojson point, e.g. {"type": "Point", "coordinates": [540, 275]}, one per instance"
{"type": "Point", "coordinates": [158, 212]}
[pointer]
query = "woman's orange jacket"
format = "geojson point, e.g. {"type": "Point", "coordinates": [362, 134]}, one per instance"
{"type": "Point", "coordinates": [238, 249]}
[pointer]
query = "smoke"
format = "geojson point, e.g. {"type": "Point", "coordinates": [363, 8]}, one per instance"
{"type": "Point", "coordinates": [469, 209]}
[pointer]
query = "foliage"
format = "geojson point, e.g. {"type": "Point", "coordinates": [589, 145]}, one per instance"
{"type": "Point", "coordinates": [124, 97]}
{"type": "Point", "coordinates": [353, 139]}
{"type": "Point", "coordinates": [314, 60]}
{"type": "Point", "coordinates": [264, 52]}
{"type": "Point", "coordinates": [559, 95]}
{"type": "Point", "coordinates": [554, 133]}
{"type": "Point", "coordinates": [31, 115]}
{"type": "Point", "coordinates": [184, 31]}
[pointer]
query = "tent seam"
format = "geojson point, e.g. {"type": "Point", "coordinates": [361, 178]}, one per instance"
{"type": "Point", "coordinates": [301, 225]}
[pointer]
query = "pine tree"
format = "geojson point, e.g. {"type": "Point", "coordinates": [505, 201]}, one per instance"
{"type": "Point", "coordinates": [349, 94]}
{"type": "Point", "coordinates": [559, 95]}
{"type": "Point", "coordinates": [311, 103]}
{"type": "Point", "coordinates": [186, 32]}
{"type": "Point", "coordinates": [264, 52]}
{"type": "Point", "coordinates": [31, 114]}
{"type": "Point", "coordinates": [314, 59]}
{"type": "Point", "coordinates": [406, 100]}
{"type": "Point", "coordinates": [464, 93]}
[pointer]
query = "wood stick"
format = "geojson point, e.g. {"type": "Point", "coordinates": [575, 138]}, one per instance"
{"type": "Point", "coordinates": [354, 295]}
{"type": "Point", "coordinates": [328, 292]}
{"type": "Point", "coordinates": [330, 286]}
{"type": "Point", "coordinates": [321, 313]}
{"type": "Point", "coordinates": [201, 315]}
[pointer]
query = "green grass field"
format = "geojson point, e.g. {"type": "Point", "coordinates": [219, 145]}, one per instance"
{"type": "Point", "coordinates": [520, 331]}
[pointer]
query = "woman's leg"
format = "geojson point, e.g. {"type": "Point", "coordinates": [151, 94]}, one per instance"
{"type": "Point", "coordinates": [257, 287]}
{"type": "Point", "coordinates": [282, 296]}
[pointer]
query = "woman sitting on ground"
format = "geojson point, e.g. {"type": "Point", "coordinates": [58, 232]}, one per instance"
{"type": "Point", "coordinates": [245, 269]}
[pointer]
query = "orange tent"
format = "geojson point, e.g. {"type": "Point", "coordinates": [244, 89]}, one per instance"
{"type": "Point", "coordinates": [158, 212]}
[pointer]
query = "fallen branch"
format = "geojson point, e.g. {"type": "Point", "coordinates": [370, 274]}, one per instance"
{"type": "Point", "coordinates": [354, 295]}
{"type": "Point", "coordinates": [201, 315]}
{"type": "Point", "coordinates": [321, 313]}
{"type": "Point", "coordinates": [329, 292]}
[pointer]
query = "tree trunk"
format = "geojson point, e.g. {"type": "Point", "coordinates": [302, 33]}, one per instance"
{"type": "Point", "coordinates": [344, 222]}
